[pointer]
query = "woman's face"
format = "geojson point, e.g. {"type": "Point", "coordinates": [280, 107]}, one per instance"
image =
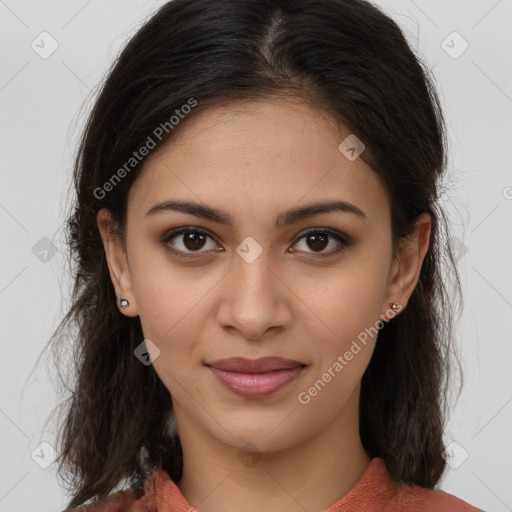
{"type": "Point", "coordinates": [256, 286]}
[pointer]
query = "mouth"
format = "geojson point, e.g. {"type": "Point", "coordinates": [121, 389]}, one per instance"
{"type": "Point", "coordinates": [255, 378]}
{"type": "Point", "coordinates": [260, 365]}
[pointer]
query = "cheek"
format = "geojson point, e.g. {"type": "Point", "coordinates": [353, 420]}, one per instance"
{"type": "Point", "coordinates": [174, 326]}
{"type": "Point", "coordinates": [170, 314]}
{"type": "Point", "coordinates": [344, 340]}
{"type": "Point", "coordinates": [167, 296]}
{"type": "Point", "coordinates": [174, 310]}
{"type": "Point", "coordinates": [349, 308]}
{"type": "Point", "coordinates": [351, 301]}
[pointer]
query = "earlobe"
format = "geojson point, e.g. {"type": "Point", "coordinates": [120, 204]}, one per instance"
{"type": "Point", "coordinates": [408, 264]}
{"type": "Point", "coordinates": [117, 264]}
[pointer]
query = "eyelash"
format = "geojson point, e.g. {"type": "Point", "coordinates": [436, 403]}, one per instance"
{"type": "Point", "coordinates": [344, 240]}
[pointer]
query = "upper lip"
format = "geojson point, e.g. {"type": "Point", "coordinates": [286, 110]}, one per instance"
{"type": "Point", "coordinates": [261, 365]}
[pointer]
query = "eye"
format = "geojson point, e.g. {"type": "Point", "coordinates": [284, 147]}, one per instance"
{"type": "Point", "coordinates": [186, 241]}
{"type": "Point", "coordinates": [189, 240]}
{"type": "Point", "coordinates": [318, 239]}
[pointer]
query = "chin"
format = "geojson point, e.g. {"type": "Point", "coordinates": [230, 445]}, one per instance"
{"type": "Point", "coordinates": [257, 438]}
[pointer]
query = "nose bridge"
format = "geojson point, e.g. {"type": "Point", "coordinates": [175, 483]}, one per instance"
{"type": "Point", "coordinates": [254, 302]}
{"type": "Point", "coordinates": [252, 270]}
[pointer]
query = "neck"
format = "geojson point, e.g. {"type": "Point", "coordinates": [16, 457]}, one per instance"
{"type": "Point", "coordinates": [309, 476]}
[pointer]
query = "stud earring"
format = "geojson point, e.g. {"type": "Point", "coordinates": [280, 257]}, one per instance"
{"type": "Point", "coordinates": [395, 306]}
{"type": "Point", "coordinates": [122, 303]}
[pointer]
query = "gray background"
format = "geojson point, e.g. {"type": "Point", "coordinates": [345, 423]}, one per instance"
{"type": "Point", "coordinates": [43, 103]}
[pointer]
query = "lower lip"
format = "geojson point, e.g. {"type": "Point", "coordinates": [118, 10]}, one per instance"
{"type": "Point", "coordinates": [256, 385]}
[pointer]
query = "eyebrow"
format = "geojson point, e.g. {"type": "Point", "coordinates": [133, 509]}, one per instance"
{"type": "Point", "coordinates": [284, 219]}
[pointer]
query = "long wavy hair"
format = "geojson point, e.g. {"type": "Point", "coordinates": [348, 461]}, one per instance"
{"type": "Point", "coordinates": [351, 62]}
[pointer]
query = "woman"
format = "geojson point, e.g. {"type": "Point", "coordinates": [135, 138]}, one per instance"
{"type": "Point", "coordinates": [261, 312]}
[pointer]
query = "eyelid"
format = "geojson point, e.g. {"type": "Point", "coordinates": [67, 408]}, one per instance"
{"type": "Point", "coordinates": [341, 237]}
{"type": "Point", "coordinates": [173, 233]}
{"type": "Point", "coordinates": [333, 232]}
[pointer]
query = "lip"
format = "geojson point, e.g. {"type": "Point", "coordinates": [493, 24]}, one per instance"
{"type": "Point", "coordinates": [260, 365]}
{"type": "Point", "coordinates": [255, 378]}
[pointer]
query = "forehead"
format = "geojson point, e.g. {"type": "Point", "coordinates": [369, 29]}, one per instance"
{"type": "Point", "coordinates": [263, 156]}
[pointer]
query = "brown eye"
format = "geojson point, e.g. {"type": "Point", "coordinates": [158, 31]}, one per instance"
{"type": "Point", "coordinates": [317, 240]}
{"type": "Point", "coordinates": [188, 241]}
{"type": "Point", "coordinates": [193, 240]}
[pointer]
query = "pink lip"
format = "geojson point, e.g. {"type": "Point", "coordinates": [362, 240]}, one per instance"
{"type": "Point", "coordinates": [255, 378]}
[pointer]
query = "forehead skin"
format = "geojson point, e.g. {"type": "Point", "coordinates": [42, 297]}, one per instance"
{"type": "Point", "coordinates": [257, 160]}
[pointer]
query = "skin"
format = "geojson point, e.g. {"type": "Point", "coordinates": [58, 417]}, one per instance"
{"type": "Point", "coordinates": [255, 161]}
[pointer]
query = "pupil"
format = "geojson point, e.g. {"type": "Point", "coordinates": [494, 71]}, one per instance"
{"type": "Point", "coordinates": [318, 239]}
{"type": "Point", "coordinates": [194, 240]}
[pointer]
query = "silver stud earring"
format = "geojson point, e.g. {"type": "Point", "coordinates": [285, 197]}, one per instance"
{"type": "Point", "coordinates": [122, 303]}
{"type": "Point", "coordinates": [395, 306]}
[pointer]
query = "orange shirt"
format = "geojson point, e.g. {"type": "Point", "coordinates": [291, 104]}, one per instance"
{"type": "Point", "coordinates": [373, 492]}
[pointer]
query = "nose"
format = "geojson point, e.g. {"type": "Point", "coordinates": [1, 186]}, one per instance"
{"type": "Point", "coordinates": [254, 299]}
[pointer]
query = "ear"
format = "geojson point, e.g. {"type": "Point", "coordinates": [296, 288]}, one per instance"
{"type": "Point", "coordinates": [117, 261]}
{"type": "Point", "coordinates": [406, 266]}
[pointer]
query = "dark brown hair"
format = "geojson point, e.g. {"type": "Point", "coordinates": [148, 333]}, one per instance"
{"type": "Point", "coordinates": [352, 62]}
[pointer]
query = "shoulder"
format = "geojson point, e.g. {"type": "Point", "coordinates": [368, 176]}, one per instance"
{"type": "Point", "coordinates": [375, 490]}
{"type": "Point", "coordinates": [413, 498]}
